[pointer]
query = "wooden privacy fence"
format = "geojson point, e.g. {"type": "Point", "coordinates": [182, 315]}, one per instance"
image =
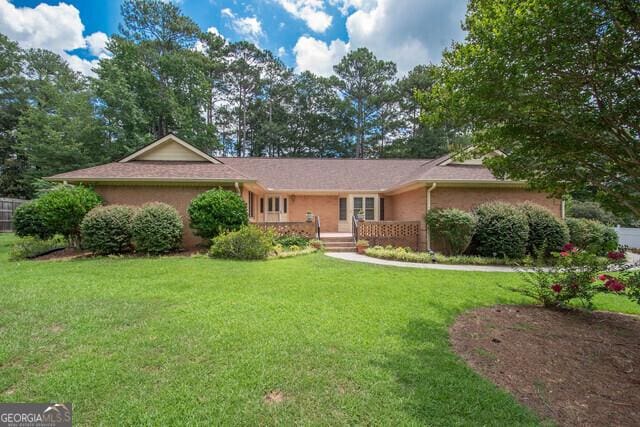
{"type": "Point", "coordinates": [396, 233]}
{"type": "Point", "coordinates": [7, 208]}
{"type": "Point", "coordinates": [307, 229]}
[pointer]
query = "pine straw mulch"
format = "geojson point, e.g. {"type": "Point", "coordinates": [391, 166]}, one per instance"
{"type": "Point", "coordinates": [572, 367]}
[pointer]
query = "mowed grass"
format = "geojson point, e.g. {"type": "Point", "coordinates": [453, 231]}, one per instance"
{"type": "Point", "coordinates": [177, 341]}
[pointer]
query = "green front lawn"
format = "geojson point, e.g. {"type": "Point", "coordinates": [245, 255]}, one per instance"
{"type": "Point", "coordinates": [164, 341]}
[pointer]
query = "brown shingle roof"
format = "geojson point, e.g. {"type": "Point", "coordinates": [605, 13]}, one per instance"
{"type": "Point", "coordinates": [301, 174]}
{"type": "Point", "coordinates": [326, 174]}
{"type": "Point", "coordinates": [156, 170]}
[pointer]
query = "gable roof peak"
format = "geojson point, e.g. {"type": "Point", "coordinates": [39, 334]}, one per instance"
{"type": "Point", "coordinates": [145, 153]}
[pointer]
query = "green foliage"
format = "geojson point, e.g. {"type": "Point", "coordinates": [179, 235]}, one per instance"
{"type": "Point", "coordinates": [156, 228]}
{"type": "Point", "coordinates": [288, 240]}
{"type": "Point", "coordinates": [247, 243]}
{"type": "Point", "coordinates": [546, 232]}
{"type": "Point", "coordinates": [592, 236]}
{"type": "Point", "coordinates": [502, 231]}
{"type": "Point", "coordinates": [591, 210]}
{"type": "Point", "coordinates": [217, 211]}
{"type": "Point", "coordinates": [451, 229]}
{"type": "Point", "coordinates": [542, 81]}
{"type": "Point", "coordinates": [31, 247]}
{"type": "Point", "coordinates": [64, 207]}
{"type": "Point", "coordinates": [28, 220]}
{"type": "Point", "coordinates": [107, 229]}
{"type": "Point", "coordinates": [408, 255]}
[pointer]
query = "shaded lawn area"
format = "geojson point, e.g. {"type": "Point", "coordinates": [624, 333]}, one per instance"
{"type": "Point", "coordinates": [197, 341]}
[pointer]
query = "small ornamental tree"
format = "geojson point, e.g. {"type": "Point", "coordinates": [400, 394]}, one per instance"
{"type": "Point", "coordinates": [451, 229]}
{"type": "Point", "coordinates": [576, 277]}
{"type": "Point", "coordinates": [502, 231]}
{"type": "Point", "coordinates": [217, 211]}
{"type": "Point", "coordinates": [546, 232]}
{"type": "Point", "coordinates": [107, 229]}
{"type": "Point", "coordinates": [156, 228]}
{"type": "Point", "coordinates": [63, 209]}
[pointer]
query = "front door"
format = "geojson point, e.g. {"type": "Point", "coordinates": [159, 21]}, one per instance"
{"type": "Point", "coordinates": [277, 208]}
{"type": "Point", "coordinates": [366, 204]}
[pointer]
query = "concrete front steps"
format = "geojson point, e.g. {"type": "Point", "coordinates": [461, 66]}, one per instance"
{"type": "Point", "coordinates": [338, 244]}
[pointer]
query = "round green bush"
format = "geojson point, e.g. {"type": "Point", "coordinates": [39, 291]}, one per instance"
{"type": "Point", "coordinates": [546, 232]}
{"type": "Point", "coordinates": [156, 228]}
{"type": "Point", "coordinates": [64, 207]}
{"type": "Point", "coordinates": [502, 231]}
{"type": "Point", "coordinates": [107, 229]}
{"type": "Point", "coordinates": [28, 221]}
{"type": "Point", "coordinates": [451, 229]}
{"type": "Point", "coordinates": [247, 243]}
{"type": "Point", "coordinates": [217, 211]}
{"type": "Point", "coordinates": [592, 236]}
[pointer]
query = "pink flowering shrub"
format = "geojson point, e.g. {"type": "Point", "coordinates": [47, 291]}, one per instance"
{"type": "Point", "coordinates": [576, 277]}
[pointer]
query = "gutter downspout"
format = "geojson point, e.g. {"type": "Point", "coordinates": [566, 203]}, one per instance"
{"type": "Point", "coordinates": [235, 184]}
{"type": "Point", "coordinates": [429, 190]}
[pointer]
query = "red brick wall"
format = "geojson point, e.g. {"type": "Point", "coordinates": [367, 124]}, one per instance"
{"type": "Point", "coordinates": [136, 195]}
{"type": "Point", "coordinates": [469, 198]}
{"type": "Point", "coordinates": [409, 206]}
{"type": "Point", "coordinates": [326, 207]}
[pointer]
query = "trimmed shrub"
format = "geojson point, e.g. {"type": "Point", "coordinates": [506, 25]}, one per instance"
{"type": "Point", "coordinates": [156, 228]}
{"type": "Point", "coordinates": [592, 236]}
{"type": "Point", "coordinates": [451, 229]}
{"type": "Point", "coordinates": [29, 221]}
{"type": "Point", "coordinates": [63, 209]}
{"type": "Point", "coordinates": [546, 232]}
{"type": "Point", "coordinates": [31, 247]}
{"type": "Point", "coordinates": [502, 231]}
{"type": "Point", "coordinates": [217, 211]}
{"type": "Point", "coordinates": [107, 229]}
{"type": "Point", "coordinates": [590, 210]}
{"type": "Point", "coordinates": [247, 243]}
{"type": "Point", "coordinates": [288, 240]}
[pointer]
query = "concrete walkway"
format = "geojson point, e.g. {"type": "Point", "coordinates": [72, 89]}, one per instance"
{"type": "Point", "coordinates": [352, 256]}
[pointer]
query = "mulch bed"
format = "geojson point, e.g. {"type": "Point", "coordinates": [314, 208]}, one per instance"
{"type": "Point", "coordinates": [69, 253]}
{"type": "Point", "coordinates": [573, 367]}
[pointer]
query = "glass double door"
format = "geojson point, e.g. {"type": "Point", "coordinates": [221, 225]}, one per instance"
{"type": "Point", "coordinates": [366, 205]}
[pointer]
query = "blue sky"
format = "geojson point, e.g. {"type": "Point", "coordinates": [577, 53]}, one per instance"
{"type": "Point", "coordinates": [306, 34]}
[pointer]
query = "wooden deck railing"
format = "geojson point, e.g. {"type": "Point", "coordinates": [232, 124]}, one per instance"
{"type": "Point", "coordinates": [383, 233]}
{"type": "Point", "coordinates": [309, 229]}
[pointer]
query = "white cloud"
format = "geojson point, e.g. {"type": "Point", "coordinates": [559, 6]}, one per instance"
{"type": "Point", "coordinates": [310, 11]}
{"type": "Point", "coordinates": [407, 32]}
{"type": "Point", "coordinates": [214, 30]}
{"type": "Point", "coordinates": [55, 28]}
{"type": "Point", "coordinates": [249, 27]}
{"type": "Point", "coordinates": [97, 44]}
{"type": "Point", "coordinates": [316, 56]}
{"type": "Point", "coordinates": [281, 51]}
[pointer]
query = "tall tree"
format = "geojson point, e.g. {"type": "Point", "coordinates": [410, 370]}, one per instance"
{"type": "Point", "coordinates": [556, 86]}
{"type": "Point", "coordinates": [155, 81]}
{"type": "Point", "coordinates": [13, 102]}
{"type": "Point", "coordinates": [364, 80]}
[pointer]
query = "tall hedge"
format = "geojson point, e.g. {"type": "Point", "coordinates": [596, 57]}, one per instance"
{"type": "Point", "coordinates": [592, 236]}
{"type": "Point", "coordinates": [502, 231]}
{"type": "Point", "coordinates": [546, 231]}
{"type": "Point", "coordinates": [156, 228]}
{"type": "Point", "coordinates": [451, 229]}
{"type": "Point", "coordinates": [217, 211]}
{"type": "Point", "coordinates": [107, 229]}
